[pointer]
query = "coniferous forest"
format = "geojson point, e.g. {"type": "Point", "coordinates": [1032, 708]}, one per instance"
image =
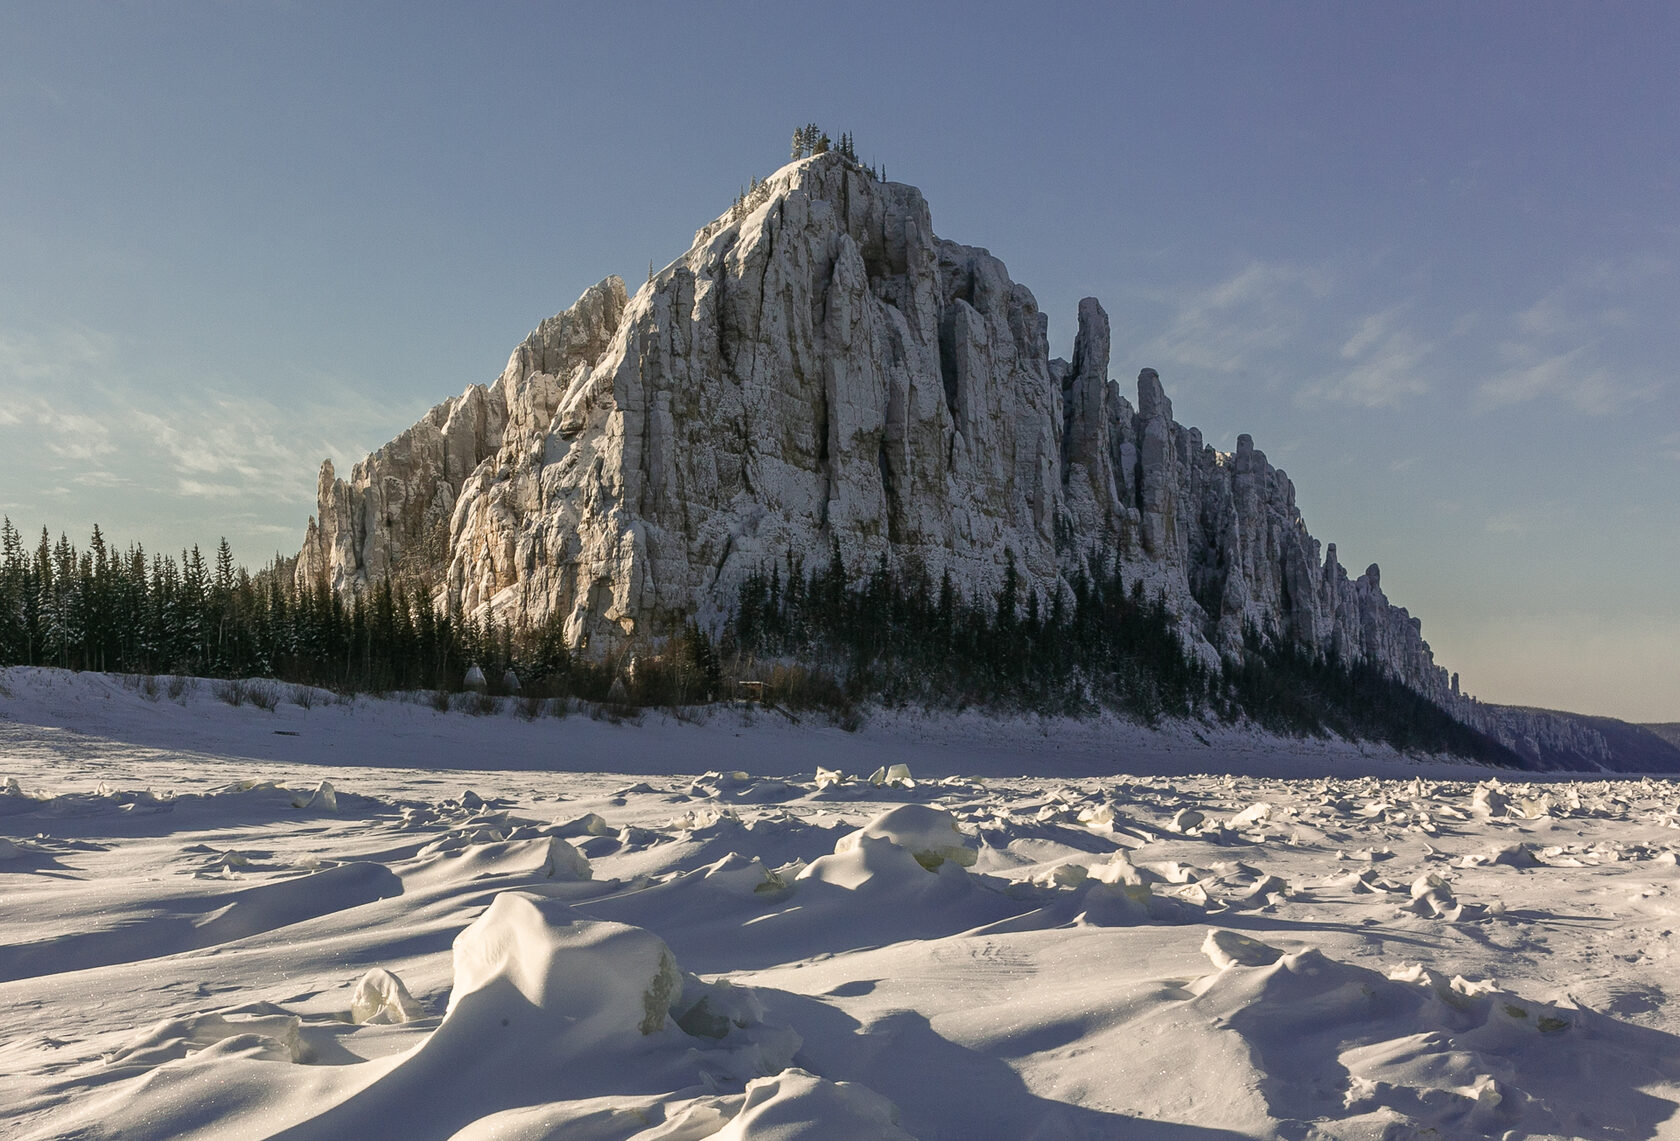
{"type": "Point", "coordinates": [137, 613]}
{"type": "Point", "coordinates": [821, 639]}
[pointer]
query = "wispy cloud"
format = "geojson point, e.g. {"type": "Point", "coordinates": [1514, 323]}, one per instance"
{"type": "Point", "coordinates": [74, 425]}
{"type": "Point", "coordinates": [1385, 366]}
{"type": "Point", "coordinates": [1527, 520]}
{"type": "Point", "coordinates": [226, 446]}
{"type": "Point", "coordinates": [1615, 275]}
{"type": "Point", "coordinates": [1562, 346]}
{"type": "Point", "coordinates": [1566, 313]}
{"type": "Point", "coordinates": [1575, 377]}
{"type": "Point", "coordinates": [1280, 320]}
{"type": "Point", "coordinates": [197, 489]}
{"type": "Point", "coordinates": [69, 434]}
{"type": "Point", "coordinates": [1466, 323]}
{"type": "Point", "coordinates": [1233, 325]}
{"type": "Point", "coordinates": [99, 479]}
{"type": "Point", "coordinates": [65, 386]}
{"type": "Point", "coordinates": [41, 373]}
{"type": "Point", "coordinates": [29, 357]}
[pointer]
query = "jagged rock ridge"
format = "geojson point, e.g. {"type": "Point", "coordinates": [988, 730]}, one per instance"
{"type": "Point", "coordinates": [821, 369]}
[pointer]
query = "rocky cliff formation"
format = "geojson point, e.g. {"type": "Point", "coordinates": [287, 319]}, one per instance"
{"type": "Point", "coordinates": [395, 513]}
{"type": "Point", "coordinates": [821, 369]}
{"type": "Point", "coordinates": [1549, 739]}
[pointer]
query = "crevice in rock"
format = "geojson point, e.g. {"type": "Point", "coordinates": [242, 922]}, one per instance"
{"type": "Point", "coordinates": [948, 358]}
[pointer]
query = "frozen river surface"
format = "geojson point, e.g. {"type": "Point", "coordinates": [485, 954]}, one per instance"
{"type": "Point", "coordinates": [373, 919]}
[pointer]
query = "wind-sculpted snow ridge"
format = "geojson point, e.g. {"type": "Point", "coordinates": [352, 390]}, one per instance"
{"type": "Point", "coordinates": [820, 370]}
{"type": "Point", "coordinates": [840, 952]}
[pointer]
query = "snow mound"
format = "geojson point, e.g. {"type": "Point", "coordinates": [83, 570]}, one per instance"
{"type": "Point", "coordinates": [1433, 898]}
{"type": "Point", "coordinates": [886, 781]}
{"type": "Point", "coordinates": [603, 980]}
{"type": "Point", "coordinates": [1506, 855]}
{"type": "Point", "coordinates": [589, 824]}
{"type": "Point", "coordinates": [740, 787]}
{"type": "Point", "coordinates": [892, 776]}
{"type": "Point", "coordinates": [861, 862]}
{"type": "Point", "coordinates": [323, 798]}
{"type": "Point", "coordinates": [797, 1106]}
{"type": "Point", "coordinates": [1415, 1053]}
{"type": "Point", "coordinates": [581, 990]}
{"type": "Point", "coordinates": [547, 857]}
{"type": "Point", "coordinates": [929, 834]}
{"type": "Point", "coordinates": [1229, 949]}
{"type": "Point", "coordinates": [260, 1030]}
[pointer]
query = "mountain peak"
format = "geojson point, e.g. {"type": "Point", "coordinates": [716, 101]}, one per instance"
{"type": "Point", "coordinates": [820, 372]}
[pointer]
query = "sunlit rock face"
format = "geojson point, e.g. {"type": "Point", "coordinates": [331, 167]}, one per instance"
{"type": "Point", "coordinates": [820, 369]}
{"type": "Point", "coordinates": [397, 511]}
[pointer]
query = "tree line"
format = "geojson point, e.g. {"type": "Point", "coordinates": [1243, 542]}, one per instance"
{"type": "Point", "coordinates": [818, 637]}
{"type": "Point", "coordinates": [894, 636]}
{"type": "Point", "coordinates": [1095, 643]}
{"type": "Point", "coordinates": [132, 612]}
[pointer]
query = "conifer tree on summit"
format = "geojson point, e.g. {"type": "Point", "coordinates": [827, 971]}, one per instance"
{"type": "Point", "coordinates": [813, 140]}
{"type": "Point", "coordinates": [809, 140]}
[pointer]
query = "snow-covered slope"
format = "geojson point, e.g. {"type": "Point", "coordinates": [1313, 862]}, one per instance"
{"type": "Point", "coordinates": [338, 941]}
{"type": "Point", "coordinates": [821, 369]}
{"type": "Point", "coordinates": [1669, 731]}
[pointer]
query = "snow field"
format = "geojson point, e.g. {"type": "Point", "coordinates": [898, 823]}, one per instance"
{"type": "Point", "coordinates": [236, 944]}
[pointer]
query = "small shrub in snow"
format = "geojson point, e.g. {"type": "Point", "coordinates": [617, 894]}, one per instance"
{"type": "Point", "coordinates": [231, 692]}
{"type": "Point", "coordinates": [477, 704]}
{"type": "Point", "coordinates": [303, 697]}
{"type": "Point", "coordinates": [264, 697]}
{"type": "Point", "coordinates": [440, 701]}
{"type": "Point", "coordinates": [615, 713]}
{"type": "Point", "coordinates": [149, 688]}
{"type": "Point", "coordinates": [179, 687]}
{"type": "Point", "coordinates": [528, 708]}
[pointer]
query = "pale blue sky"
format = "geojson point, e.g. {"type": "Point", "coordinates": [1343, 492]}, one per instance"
{"type": "Point", "coordinates": [1428, 255]}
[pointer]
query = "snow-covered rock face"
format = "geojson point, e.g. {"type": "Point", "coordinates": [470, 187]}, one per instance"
{"type": "Point", "coordinates": [396, 513]}
{"type": "Point", "coordinates": [820, 368]}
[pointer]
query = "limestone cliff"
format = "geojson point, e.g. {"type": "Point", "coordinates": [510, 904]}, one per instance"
{"type": "Point", "coordinates": [821, 368]}
{"type": "Point", "coordinates": [396, 512]}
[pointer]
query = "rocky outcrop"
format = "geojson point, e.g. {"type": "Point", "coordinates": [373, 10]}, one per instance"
{"type": "Point", "coordinates": [396, 513]}
{"type": "Point", "coordinates": [820, 369]}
